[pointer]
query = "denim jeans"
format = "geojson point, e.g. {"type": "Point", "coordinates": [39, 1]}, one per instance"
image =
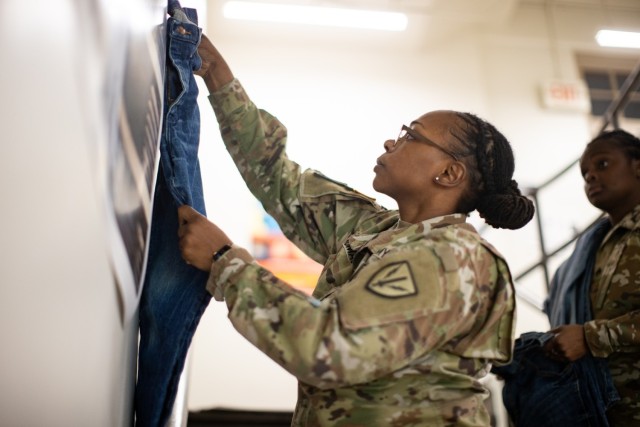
{"type": "Point", "coordinates": [174, 295]}
{"type": "Point", "coordinates": [541, 392]}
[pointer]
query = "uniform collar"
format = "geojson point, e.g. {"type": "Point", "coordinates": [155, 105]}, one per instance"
{"type": "Point", "coordinates": [436, 222]}
{"type": "Point", "coordinates": [404, 232]}
{"type": "Point", "coordinates": [630, 221]}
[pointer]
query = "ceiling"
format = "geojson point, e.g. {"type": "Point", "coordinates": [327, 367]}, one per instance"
{"type": "Point", "coordinates": [434, 19]}
{"type": "Point", "coordinates": [469, 11]}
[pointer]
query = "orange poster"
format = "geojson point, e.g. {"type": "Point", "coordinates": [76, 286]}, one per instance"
{"type": "Point", "coordinates": [276, 253]}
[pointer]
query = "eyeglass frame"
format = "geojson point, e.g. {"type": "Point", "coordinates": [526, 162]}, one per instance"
{"type": "Point", "coordinates": [421, 138]}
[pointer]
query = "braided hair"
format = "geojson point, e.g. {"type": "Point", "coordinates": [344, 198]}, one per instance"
{"type": "Point", "coordinates": [489, 160]}
{"type": "Point", "coordinates": [627, 142]}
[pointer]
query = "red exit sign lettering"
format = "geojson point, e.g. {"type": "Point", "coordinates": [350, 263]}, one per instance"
{"type": "Point", "coordinates": [566, 95]}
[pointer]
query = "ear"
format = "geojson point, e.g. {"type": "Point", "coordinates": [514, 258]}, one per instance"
{"type": "Point", "coordinates": [453, 175]}
{"type": "Point", "coordinates": [635, 163]}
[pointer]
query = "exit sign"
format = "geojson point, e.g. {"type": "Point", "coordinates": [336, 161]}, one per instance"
{"type": "Point", "coordinates": [566, 95]}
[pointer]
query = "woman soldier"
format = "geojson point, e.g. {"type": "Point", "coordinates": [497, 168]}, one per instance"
{"type": "Point", "coordinates": [412, 305]}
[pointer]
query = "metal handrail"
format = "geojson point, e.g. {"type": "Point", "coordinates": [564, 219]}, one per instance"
{"type": "Point", "coordinates": [610, 119]}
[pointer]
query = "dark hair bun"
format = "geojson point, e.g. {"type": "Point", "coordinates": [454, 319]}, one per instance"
{"type": "Point", "coordinates": [492, 191]}
{"type": "Point", "coordinates": [507, 209]}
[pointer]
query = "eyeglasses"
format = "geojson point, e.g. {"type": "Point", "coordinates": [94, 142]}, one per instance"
{"type": "Point", "coordinates": [408, 134]}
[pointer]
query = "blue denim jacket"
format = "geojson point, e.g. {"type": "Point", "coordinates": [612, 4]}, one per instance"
{"type": "Point", "coordinates": [568, 300]}
{"type": "Point", "coordinates": [174, 295]}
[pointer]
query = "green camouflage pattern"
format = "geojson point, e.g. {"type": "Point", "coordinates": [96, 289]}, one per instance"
{"type": "Point", "coordinates": [405, 320]}
{"type": "Point", "coordinates": [615, 299]}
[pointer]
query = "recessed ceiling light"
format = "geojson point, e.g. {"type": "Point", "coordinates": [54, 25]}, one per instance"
{"type": "Point", "coordinates": [612, 38]}
{"type": "Point", "coordinates": [315, 15]}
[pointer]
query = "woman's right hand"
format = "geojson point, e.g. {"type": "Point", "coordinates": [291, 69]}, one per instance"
{"type": "Point", "coordinates": [208, 53]}
{"type": "Point", "coordinates": [569, 343]}
{"type": "Point", "coordinates": [214, 69]}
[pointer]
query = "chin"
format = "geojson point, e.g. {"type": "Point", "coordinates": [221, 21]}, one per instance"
{"type": "Point", "coordinates": [600, 204]}
{"type": "Point", "coordinates": [379, 185]}
{"type": "Point", "coordinates": [379, 188]}
{"type": "Point", "coordinates": [375, 184]}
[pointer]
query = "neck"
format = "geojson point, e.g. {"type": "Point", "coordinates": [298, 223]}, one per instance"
{"type": "Point", "coordinates": [415, 213]}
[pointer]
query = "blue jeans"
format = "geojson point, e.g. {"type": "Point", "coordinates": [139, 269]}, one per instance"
{"type": "Point", "coordinates": [541, 392]}
{"type": "Point", "coordinates": [174, 294]}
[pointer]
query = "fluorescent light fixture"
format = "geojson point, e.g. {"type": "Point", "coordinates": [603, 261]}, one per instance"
{"type": "Point", "coordinates": [612, 38]}
{"type": "Point", "coordinates": [314, 15]}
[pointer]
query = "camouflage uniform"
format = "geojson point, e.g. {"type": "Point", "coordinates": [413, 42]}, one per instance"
{"type": "Point", "coordinates": [615, 299]}
{"type": "Point", "coordinates": [405, 319]}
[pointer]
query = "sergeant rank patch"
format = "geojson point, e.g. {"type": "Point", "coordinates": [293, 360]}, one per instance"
{"type": "Point", "coordinates": [393, 281]}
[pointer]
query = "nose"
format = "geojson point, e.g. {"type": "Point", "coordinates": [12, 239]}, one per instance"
{"type": "Point", "coordinates": [389, 144]}
{"type": "Point", "coordinates": [588, 176]}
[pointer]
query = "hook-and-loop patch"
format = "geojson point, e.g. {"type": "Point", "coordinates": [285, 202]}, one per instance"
{"type": "Point", "coordinates": [393, 281]}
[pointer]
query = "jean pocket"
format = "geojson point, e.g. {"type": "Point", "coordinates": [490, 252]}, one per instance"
{"type": "Point", "coordinates": [550, 395]}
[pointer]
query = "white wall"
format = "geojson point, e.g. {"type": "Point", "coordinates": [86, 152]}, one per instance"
{"type": "Point", "coordinates": [341, 94]}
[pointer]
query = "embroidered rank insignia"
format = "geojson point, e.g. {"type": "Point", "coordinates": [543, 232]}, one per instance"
{"type": "Point", "coordinates": [393, 281]}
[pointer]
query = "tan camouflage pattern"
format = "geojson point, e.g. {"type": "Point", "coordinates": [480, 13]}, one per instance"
{"type": "Point", "coordinates": [615, 300]}
{"type": "Point", "coordinates": [405, 319]}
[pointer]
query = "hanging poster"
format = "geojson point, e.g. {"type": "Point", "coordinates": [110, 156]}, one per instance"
{"type": "Point", "coordinates": [122, 56]}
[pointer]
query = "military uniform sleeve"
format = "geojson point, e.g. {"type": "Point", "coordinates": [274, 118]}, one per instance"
{"type": "Point", "coordinates": [617, 328]}
{"type": "Point", "coordinates": [396, 309]}
{"type": "Point", "coordinates": [307, 206]}
{"type": "Point", "coordinates": [607, 336]}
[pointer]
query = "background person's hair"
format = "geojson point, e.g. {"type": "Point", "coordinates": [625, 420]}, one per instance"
{"type": "Point", "coordinates": [628, 143]}
{"type": "Point", "coordinates": [489, 160]}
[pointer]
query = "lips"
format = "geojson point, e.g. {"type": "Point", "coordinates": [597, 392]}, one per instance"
{"type": "Point", "coordinates": [378, 165]}
{"type": "Point", "coordinates": [593, 191]}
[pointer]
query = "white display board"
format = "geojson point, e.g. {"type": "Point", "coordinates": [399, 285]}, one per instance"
{"type": "Point", "coordinates": [81, 112]}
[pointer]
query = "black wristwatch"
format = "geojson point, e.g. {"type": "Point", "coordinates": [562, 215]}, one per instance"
{"type": "Point", "coordinates": [223, 250]}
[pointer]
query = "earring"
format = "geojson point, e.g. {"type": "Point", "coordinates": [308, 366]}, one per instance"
{"type": "Point", "coordinates": [437, 178]}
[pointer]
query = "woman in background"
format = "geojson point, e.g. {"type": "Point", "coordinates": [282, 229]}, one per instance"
{"type": "Point", "coordinates": [610, 166]}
